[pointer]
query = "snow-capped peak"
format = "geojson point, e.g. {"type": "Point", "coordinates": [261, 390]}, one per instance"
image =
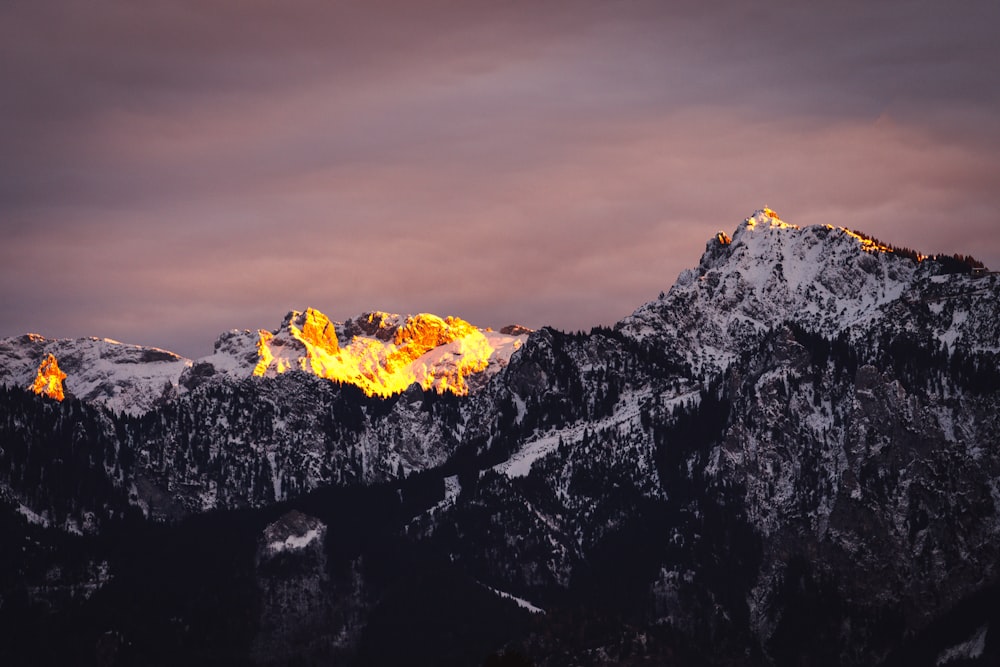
{"type": "Point", "coordinates": [762, 219]}
{"type": "Point", "coordinates": [826, 278]}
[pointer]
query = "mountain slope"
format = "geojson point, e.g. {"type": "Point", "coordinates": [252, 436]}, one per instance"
{"type": "Point", "coordinates": [827, 279]}
{"type": "Point", "coordinates": [789, 458]}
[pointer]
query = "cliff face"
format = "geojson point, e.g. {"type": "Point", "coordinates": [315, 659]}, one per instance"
{"type": "Point", "coordinates": [790, 458]}
{"type": "Point", "coordinates": [389, 354]}
{"type": "Point", "coordinates": [49, 381]}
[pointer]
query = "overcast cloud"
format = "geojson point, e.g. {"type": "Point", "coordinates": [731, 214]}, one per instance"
{"type": "Point", "coordinates": [170, 170]}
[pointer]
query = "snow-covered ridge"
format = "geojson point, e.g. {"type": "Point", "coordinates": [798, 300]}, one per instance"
{"type": "Point", "coordinates": [129, 378]}
{"type": "Point", "coordinates": [380, 352]}
{"type": "Point", "coordinates": [826, 278]}
{"type": "Point", "coordinates": [970, 649]}
{"type": "Point", "coordinates": [829, 279]}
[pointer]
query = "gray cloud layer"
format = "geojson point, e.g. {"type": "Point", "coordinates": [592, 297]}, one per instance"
{"type": "Point", "coordinates": [169, 170]}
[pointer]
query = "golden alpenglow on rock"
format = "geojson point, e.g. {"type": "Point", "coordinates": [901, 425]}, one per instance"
{"type": "Point", "coordinates": [49, 381]}
{"type": "Point", "coordinates": [385, 353]}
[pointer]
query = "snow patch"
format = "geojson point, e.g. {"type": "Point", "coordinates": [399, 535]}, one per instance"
{"type": "Point", "coordinates": [451, 488]}
{"type": "Point", "coordinates": [293, 542]}
{"type": "Point", "coordinates": [970, 649]}
{"type": "Point", "coordinates": [521, 602]}
{"type": "Point", "coordinates": [950, 336]}
{"type": "Point", "coordinates": [519, 465]}
{"type": "Point", "coordinates": [32, 516]}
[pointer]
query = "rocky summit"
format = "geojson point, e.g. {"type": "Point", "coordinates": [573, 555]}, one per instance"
{"type": "Point", "coordinates": [791, 457]}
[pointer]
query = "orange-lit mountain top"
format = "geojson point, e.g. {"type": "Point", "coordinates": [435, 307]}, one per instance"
{"type": "Point", "coordinates": [767, 218]}
{"type": "Point", "coordinates": [381, 353]}
{"type": "Point", "coordinates": [868, 244]}
{"type": "Point", "coordinates": [49, 380]}
{"type": "Point", "coordinates": [384, 353]}
{"type": "Point", "coordinates": [829, 277]}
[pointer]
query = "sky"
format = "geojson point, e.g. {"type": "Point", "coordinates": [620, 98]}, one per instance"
{"type": "Point", "coordinates": [173, 169]}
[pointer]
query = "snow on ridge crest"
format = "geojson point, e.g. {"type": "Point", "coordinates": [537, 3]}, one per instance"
{"type": "Point", "coordinates": [767, 220]}
{"type": "Point", "coordinates": [124, 377]}
{"type": "Point", "coordinates": [382, 353]}
{"type": "Point", "coordinates": [764, 218]}
{"type": "Point", "coordinates": [825, 278]}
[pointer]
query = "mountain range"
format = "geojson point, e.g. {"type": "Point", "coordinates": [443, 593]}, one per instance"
{"type": "Point", "coordinates": [788, 458]}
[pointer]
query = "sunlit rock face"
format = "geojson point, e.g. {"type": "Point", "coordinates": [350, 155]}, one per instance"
{"type": "Point", "coordinates": [383, 353]}
{"type": "Point", "coordinates": [49, 380]}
